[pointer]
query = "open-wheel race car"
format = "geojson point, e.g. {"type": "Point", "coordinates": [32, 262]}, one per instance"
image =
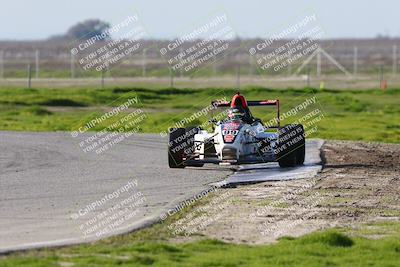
{"type": "Point", "coordinates": [239, 138]}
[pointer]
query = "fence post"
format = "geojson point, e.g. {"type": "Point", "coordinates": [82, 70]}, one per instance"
{"type": "Point", "coordinates": [382, 82]}
{"type": "Point", "coordinates": [29, 75]}
{"type": "Point", "coordinates": [37, 63]}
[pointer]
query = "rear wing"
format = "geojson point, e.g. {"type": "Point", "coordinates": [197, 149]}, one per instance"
{"type": "Point", "coordinates": [274, 102]}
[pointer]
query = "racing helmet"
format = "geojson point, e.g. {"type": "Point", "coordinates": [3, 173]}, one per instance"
{"type": "Point", "coordinates": [236, 113]}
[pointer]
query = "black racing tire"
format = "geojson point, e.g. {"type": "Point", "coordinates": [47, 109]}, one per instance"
{"type": "Point", "coordinates": [291, 149]}
{"type": "Point", "coordinates": [175, 152]}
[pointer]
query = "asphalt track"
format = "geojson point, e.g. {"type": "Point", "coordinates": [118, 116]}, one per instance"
{"type": "Point", "coordinates": [48, 185]}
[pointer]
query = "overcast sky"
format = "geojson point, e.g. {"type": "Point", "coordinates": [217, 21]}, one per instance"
{"type": "Point", "coordinates": [39, 19]}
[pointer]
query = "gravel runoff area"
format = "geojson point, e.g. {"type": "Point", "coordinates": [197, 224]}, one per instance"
{"type": "Point", "coordinates": [359, 184]}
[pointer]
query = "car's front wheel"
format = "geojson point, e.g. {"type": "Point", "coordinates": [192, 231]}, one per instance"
{"type": "Point", "coordinates": [176, 147]}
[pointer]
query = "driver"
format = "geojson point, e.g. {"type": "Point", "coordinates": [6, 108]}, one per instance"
{"type": "Point", "coordinates": [239, 113]}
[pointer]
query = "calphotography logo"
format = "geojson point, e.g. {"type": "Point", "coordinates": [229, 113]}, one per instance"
{"type": "Point", "coordinates": [288, 46]}
{"type": "Point", "coordinates": [111, 212]}
{"type": "Point", "coordinates": [99, 51]}
{"type": "Point", "coordinates": [203, 44]}
{"type": "Point", "coordinates": [116, 125]}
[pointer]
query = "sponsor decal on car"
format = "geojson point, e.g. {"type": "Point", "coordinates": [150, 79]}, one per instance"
{"type": "Point", "coordinates": [229, 138]}
{"type": "Point", "coordinates": [230, 131]}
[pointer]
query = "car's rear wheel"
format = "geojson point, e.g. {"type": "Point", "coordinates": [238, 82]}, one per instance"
{"type": "Point", "coordinates": [291, 150]}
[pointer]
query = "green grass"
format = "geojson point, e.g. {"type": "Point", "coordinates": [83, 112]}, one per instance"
{"type": "Point", "coordinates": [149, 247]}
{"type": "Point", "coordinates": [153, 246]}
{"type": "Point", "coordinates": [367, 115]}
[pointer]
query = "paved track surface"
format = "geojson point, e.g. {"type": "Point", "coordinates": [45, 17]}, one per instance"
{"type": "Point", "coordinates": [46, 179]}
{"type": "Point", "coordinates": [47, 182]}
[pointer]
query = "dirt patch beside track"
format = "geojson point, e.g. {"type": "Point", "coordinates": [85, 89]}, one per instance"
{"type": "Point", "coordinates": [359, 184]}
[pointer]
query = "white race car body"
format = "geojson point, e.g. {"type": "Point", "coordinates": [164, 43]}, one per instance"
{"type": "Point", "coordinates": [235, 142]}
